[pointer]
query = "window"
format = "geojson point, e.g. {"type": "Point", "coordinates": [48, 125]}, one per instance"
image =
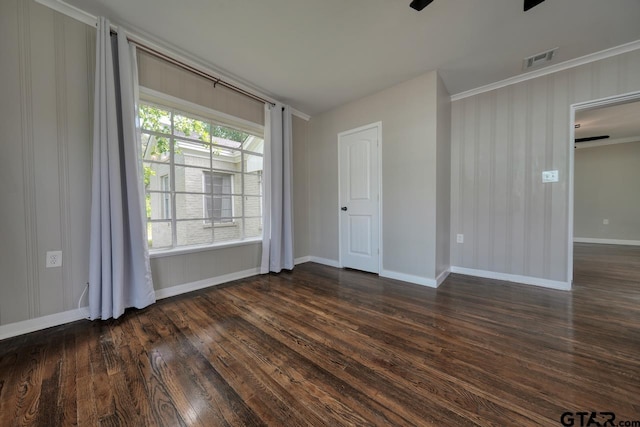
{"type": "Point", "coordinates": [218, 201]}
{"type": "Point", "coordinates": [202, 175]}
{"type": "Point", "coordinates": [165, 187]}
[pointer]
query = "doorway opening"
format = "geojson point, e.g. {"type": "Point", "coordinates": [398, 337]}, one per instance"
{"type": "Point", "coordinates": [604, 188]}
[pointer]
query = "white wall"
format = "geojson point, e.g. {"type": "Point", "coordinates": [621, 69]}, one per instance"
{"type": "Point", "coordinates": [501, 142]}
{"type": "Point", "coordinates": [607, 185]}
{"type": "Point", "coordinates": [443, 180]}
{"type": "Point", "coordinates": [45, 116]}
{"type": "Point", "coordinates": [408, 113]}
{"type": "Point", "coordinates": [301, 193]}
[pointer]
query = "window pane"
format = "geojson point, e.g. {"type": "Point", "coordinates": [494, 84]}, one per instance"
{"type": "Point", "coordinates": [194, 232]}
{"type": "Point", "coordinates": [191, 206]}
{"type": "Point", "coordinates": [228, 137]}
{"type": "Point", "coordinates": [254, 144]}
{"type": "Point", "coordinates": [228, 231]}
{"type": "Point", "coordinates": [153, 175]}
{"type": "Point", "coordinates": [156, 148]}
{"type": "Point", "coordinates": [252, 163]}
{"type": "Point", "coordinates": [188, 179]}
{"type": "Point", "coordinates": [154, 118]}
{"type": "Point", "coordinates": [144, 141]}
{"type": "Point", "coordinates": [192, 153]}
{"type": "Point", "coordinates": [252, 227]}
{"type": "Point", "coordinates": [227, 158]}
{"type": "Point", "coordinates": [223, 208]}
{"type": "Point", "coordinates": [252, 206]}
{"type": "Point", "coordinates": [253, 179]}
{"type": "Point", "coordinates": [236, 183]}
{"type": "Point", "coordinates": [159, 235]}
{"type": "Point", "coordinates": [218, 183]}
{"type": "Point", "coordinates": [253, 184]}
{"type": "Point", "coordinates": [158, 205]}
{"type": "Point", "coordinates": [226, 206]}
{"type": "Point", "coordinates": [165, 196]}
{"type": "Point", "coordinates": [225, 183]}
{"type": "Point", "coordinates": [191, 127]}
{"type": "Point", "coordinates": [236, 202]}
{"type": "Point", "coordinates": [207, 183]}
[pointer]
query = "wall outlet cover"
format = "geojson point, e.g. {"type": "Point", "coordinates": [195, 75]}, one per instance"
{"type": "Point", "coordinates": [54, 259]}
{"type": "Point", "coordinates": [550, 176]}
{"type": "Point", "coordinates": [460, 238]}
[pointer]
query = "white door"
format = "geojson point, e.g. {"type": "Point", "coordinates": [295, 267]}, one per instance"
{"type": "Point", "coordinates": [359, 198]}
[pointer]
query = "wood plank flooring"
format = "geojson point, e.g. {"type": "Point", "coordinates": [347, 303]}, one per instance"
{"type": "Point", "coordinates": [323, 346]}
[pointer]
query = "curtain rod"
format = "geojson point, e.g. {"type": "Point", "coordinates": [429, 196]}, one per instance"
{"type": "Point", "coordinates": [194, 70]}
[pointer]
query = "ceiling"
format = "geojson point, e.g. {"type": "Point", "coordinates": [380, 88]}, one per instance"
{"type": "Point", "coordinates": [318, 54]}
{"type": "Point", "coordinates": [619, 121]}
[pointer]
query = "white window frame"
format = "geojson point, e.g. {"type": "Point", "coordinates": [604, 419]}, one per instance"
{"type": "Point", "coordinates": [176, 105]}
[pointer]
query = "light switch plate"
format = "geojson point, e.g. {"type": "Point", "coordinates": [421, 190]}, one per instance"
{"type": "Point", "coordinates": [550, 176]}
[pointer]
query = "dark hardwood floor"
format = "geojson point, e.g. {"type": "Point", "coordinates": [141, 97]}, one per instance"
{"type": "Point", "coordinates": [322, 346]}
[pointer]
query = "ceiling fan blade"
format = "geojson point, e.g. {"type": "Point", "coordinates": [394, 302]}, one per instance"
{"type": "Point", "coordinates": [592, 138]}
{"type": "Point", "coordinates": [529, 4]}
{"type": "Point", "coordinates": [420, 4]}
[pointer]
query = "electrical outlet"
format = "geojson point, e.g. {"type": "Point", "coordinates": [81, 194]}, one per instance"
{"type": "Point", "coordinates": [54, 259]}
{"type": "Point", "coordinates": [550, 176]}
{"type": "Point", "coordinates": [605, 221]}
{"type": "Point", "coordinates": [460, 238]}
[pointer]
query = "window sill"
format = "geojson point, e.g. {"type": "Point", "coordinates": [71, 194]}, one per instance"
{"type": "Point", "coordinates": [161, 253]}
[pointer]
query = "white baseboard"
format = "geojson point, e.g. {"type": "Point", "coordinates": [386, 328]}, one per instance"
{"type": "Point", "coordinates": [606, 241]}
{"type": "Point", "coordinates": [44, 322]}
{"type": "Point", "coordinates": [201, 284]}
{"type": "Point", "coordinates": [410, 278]}
{"type": "Point", "coordinates": [32, 325]}
{"type": "Point", "coordinates": [442, 277]}
{"type": "Point", "coordinates": [302, 260]}
{"type": "Point", "coordinates": [384, 273]}
{"type": "Point", "coordinates": [325, 261]}
{"type": "Point", "coordinates": [526, 280]}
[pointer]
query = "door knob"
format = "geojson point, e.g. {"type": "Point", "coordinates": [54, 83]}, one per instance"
{"type": "Point", "coordinates": [344, 208]}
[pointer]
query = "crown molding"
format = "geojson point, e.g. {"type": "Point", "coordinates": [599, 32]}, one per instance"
{"type": "Point", "coordinates": [300, 114]}
{"type": "Point", "coordinates": [576, 62]}
{"type": "Point", "coordinates": [70, 11]}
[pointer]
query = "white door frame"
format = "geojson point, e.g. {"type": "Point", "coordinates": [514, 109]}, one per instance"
{"type": "Point", "coordinates": [378, 126]}
{"type": "Point", "coordinates": [579, 106]}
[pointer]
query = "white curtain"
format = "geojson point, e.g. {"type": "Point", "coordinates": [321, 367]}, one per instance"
{"type": "Point", "coordinates": [119, 271]}
{"type": "Point", "coordinates": [277, 234]}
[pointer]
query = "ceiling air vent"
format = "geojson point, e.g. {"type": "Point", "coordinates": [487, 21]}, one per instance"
{"type": "Point", "coordinates": [539, 59]}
